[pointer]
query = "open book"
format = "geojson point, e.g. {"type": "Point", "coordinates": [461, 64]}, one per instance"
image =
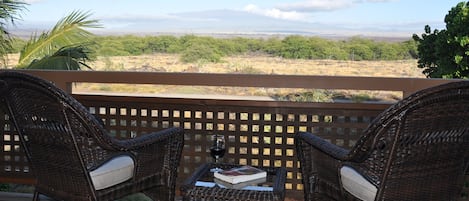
{"type": "Point", "coordinates": [240, 174]}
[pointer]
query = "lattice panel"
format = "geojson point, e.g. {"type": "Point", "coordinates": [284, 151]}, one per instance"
{"type": "Point", "coordinates": [129, 122]}
{"type": "Point", "coordinates": [256, 133]}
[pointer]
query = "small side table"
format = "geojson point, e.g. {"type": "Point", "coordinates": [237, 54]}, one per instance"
{"type": "Point", "coordinates": [201, 186]}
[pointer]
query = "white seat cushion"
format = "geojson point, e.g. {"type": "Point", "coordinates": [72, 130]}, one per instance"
{"type": "Point", "coordinates": [115, 171]}
{"type": "Point", "coordinates": [357, 185]}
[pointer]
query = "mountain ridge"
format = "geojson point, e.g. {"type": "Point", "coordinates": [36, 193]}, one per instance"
{"type": "Point", "coordinates": [229, 23]}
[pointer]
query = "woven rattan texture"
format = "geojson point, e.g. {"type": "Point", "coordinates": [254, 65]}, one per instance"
{"type": "Point", "coordinates": [63, 142]}
{"type": "Point", "coordinates": [418, 149]}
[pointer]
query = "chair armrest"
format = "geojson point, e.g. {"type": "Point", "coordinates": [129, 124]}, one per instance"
{"type": "Point", "coordinates": [322, 145]}
{"type": "Point", "coordinates": [320, 161]}
{"type": "Point", "coordinates": [148, 139]}
{"type": "Point", "coordinates": [157, 153]}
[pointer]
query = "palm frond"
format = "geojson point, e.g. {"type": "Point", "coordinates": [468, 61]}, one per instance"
{"type": "Point", "coordinates": [5, 46]}
{"type": "Point", "coordinates": [66, 58]}
{"type": "Point", "coordinates": [9, 12]}
{"type": "Point", "coordinates": [68, 31]}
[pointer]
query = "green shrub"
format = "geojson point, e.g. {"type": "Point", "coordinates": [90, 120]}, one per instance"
{"type": "Point", "coordinates": [4, 187]}
{"type": "Point", "coordinates": [197, 52]}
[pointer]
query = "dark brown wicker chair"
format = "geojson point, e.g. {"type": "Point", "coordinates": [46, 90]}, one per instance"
{"type": "Point", "coordinates": [418, 149]}
{"type": "Point", "coordinates": [69, 150]}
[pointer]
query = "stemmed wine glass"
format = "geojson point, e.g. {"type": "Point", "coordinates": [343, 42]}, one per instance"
{"type": "Point", "coordinates": [217, 150]}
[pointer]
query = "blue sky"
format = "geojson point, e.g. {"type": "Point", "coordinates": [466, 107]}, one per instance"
{"type": "Point", "coordinates": [343, 13]}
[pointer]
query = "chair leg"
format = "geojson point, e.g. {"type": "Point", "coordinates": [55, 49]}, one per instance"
{"type": "Point", "coordinates": [36, 196]}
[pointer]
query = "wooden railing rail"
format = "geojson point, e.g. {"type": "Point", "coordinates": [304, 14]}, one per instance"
{"type": "Point", "coordinates": [64, 79]}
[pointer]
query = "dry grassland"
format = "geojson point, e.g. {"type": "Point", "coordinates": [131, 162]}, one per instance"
{"type": "Point", "coordinates": [259, 64]}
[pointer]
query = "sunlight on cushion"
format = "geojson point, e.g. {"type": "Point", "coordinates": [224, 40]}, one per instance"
{"type": "Point", "coordinates": [357, 185]}
{"type": "Point", "coordinates": [115, 171]}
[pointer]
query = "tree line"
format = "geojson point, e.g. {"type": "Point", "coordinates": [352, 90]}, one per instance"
{"type": "Point", "coordinates": [211, 49]}
{"type": "Point", "coordinates": [193, 48]}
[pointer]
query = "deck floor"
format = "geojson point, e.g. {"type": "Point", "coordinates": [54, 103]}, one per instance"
{"type": "Point", "coordinates": [9, 196]}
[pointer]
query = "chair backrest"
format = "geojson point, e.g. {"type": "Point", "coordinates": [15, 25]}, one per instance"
{"type": "Point", "coordinates": [58, 134]}
{"type": "Point", "coordinates": [418, 149]}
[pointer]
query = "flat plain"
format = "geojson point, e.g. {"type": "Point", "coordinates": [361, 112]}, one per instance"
{"type": "Point", "coordinates": [248, 64]}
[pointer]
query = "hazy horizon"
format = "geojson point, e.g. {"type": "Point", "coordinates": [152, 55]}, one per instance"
{"type": "Point", "coordinates": [325, 18]}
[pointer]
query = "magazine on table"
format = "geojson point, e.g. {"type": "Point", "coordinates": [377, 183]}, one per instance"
{"type": "Point", "coordinates": [240, 174]}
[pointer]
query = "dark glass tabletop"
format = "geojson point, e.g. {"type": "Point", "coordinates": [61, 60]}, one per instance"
{"type": "Point", "coordinates": [203, 185]}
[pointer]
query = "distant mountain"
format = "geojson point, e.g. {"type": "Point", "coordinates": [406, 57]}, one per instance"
{"type": "Point", "coordinates": [231, 22]}
{"type": "Point", "coordinates": [217, 21]}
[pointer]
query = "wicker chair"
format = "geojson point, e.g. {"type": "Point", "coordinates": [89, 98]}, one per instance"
{"type": "Point", "coordinates": [73, 157]}
{"type": "Point", "coordinates": [418, 149]}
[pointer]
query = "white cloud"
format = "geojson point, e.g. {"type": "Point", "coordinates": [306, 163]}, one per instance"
{"type": "Point", "coordinates": [274, 13]}
{"type": "Point", "coordinates": [316, 5]}
{"type": "Point", "coordinates": [324, 5]}
{"type": "Point", "coordinates": [134, 18]}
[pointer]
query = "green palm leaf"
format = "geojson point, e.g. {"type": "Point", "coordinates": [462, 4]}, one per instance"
{"type": "Point", "coordinates": [5, 45]}
{"type": "Point", "coordinates": [9, 10]}
{"type": "Point", "coordinates": [68, 31]}
{"type": "Point", "coordinates": [66, 58]}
